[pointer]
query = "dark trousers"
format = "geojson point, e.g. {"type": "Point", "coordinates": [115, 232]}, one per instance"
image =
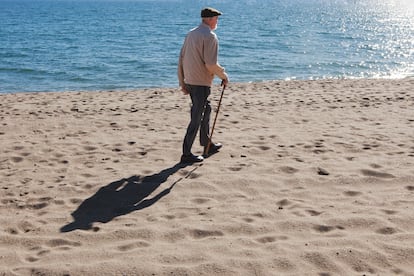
{"type": "Point", "coordinates": [200, 117]}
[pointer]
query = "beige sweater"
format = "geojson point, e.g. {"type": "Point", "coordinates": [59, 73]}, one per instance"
{"type": "Point", "coordinates": [198, 61]}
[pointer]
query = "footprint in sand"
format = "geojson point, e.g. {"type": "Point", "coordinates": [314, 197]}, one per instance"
{"type": "Point", "coordinates": [132, 246]}
{"type": "Point", "coordinates": [38, 203]}
{"type": "Point", "coordinates": [386, 231]}
{"type": "Point", "coordinates": [352, 193]}
{"type": "Point", "coordinates": [200, 200]}
{"type": "Point", "coordinates": [266, 239]}
{"type": "Point", "coordinates": [235, 169]}
{"type": "Point", "coordinates": [32, 259]}
{"type": "Point", "coordinates": [12, 231]}
{"type": "Point", "coordinates": [322, 171]}
{"type": "Point", "coordinates": [298, 159]}
{"type": "Point", "coordinates": [249, 220]}
{"type": "Point", "coordinates": [288, 170]}
{"type": "Point", "coordinates": [238, 167]}
{"type": "Point", "coordinates": [264, 148]}
{"type": "Point", "coordinates": [326, 228]}
{"type": "Point", "coordinates": [389, 212]}
{"type": "Point", "coordinates": [200, 234]}
{"type": "Point", "coordinates": [26, 227]}
{"type": "Point", "coordinates": [16, 159]}
{"type": "Point", "coordinates": [376, 174]}
{"type": "Point", "coordinates": [284, 202]}
{"type": "Point", "coordinates": [56, 243]}
{"type": "Point", "coordinates": [42, 252]}
{"type": "Point", "coordinates": [90, 148]}
{"type": "Point", "coordinates": [168, 217]}
{"type": "Point", "coordinates": [314, 213]}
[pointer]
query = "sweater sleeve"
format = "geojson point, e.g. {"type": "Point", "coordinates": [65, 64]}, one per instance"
{"type": "Point", "coordinates": [180, 69]}
{"type": "Point", "coordinates": [217, 70]}
{"type": "Point", "coordinates": [211, 47]}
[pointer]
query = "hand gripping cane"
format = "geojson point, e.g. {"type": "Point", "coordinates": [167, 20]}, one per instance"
{"type": "Point", "coordinates": [215, 119]}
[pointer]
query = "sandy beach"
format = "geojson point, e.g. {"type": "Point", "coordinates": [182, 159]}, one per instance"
{"type": "Point", "coordinates": [314, 178]}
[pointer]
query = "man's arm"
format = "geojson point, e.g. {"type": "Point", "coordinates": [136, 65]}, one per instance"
{"type": "Point", "coordinates": [180, 72]}
{"type": "Point", "coordinates": [210, 58]}
{"type": "Point", "coordinates": [218, 70]}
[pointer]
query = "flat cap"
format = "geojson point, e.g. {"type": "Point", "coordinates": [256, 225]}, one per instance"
{"type": "Point", "coordinates": [210, 12]}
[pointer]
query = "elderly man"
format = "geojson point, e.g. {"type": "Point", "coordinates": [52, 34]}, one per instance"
{"type": "Point", "coordinates": [197, 66]}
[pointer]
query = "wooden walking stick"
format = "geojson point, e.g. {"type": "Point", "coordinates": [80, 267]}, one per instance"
{"type": "Point", "coordinates": [215, 119]}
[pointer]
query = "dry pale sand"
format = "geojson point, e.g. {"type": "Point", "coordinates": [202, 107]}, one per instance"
{"type": "Point", "coordinates": [314, 178]}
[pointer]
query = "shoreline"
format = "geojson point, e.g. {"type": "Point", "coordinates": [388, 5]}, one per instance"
{"type": "Point", "coordinates": [407, 78]}
{"type": "Point", "coordinates": [314, 177]}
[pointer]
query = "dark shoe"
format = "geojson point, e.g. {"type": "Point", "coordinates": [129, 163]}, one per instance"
{"type": "Point", "coordinates": [189, 159]}
{"type": "Point", "coordinates": [213, 149]}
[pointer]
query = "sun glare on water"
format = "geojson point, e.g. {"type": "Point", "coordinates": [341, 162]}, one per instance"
{"type": "Point", "coordinates": [405, 5]}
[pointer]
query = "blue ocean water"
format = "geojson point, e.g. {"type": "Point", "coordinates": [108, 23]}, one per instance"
{"type": "Point", "coordinates": [64, 45]}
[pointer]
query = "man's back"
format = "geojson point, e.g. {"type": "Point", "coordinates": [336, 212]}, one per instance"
{"type": "Point", "coordinates": [200, 48]}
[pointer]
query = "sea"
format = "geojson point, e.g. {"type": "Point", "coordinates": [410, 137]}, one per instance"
{"type": "Point", "coordinates": [106, 45]}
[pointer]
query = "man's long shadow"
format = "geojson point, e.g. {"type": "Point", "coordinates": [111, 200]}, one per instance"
{"type": "Point", "coordinates": [122, 197]}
